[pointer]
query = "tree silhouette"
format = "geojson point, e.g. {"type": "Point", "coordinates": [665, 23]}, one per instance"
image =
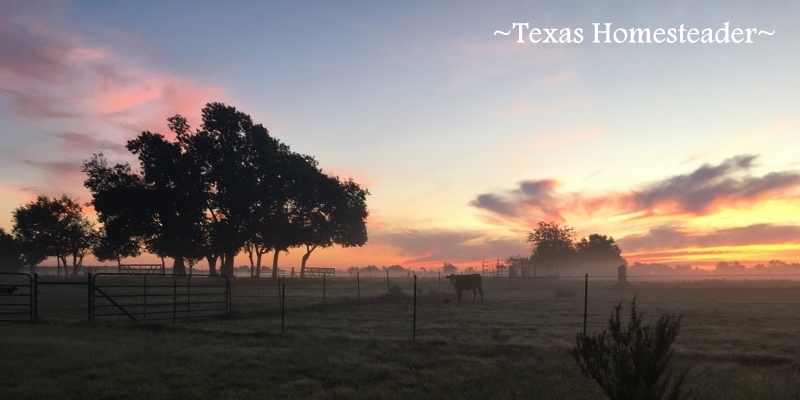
{"type": "Point", "coordinates": [332, 212]}
{"type": "Point", "coordinates": [553, 245]}
{"type": "Point", "coordinates": [449, 269]}
{"type": "Point", "coordinates": [599, 253]}
{"type": "Point", "coordinates": [54, 228]}
{"type": "Point", "coordinates": [221, 188]}
{"type": "Point", "coordinates": [11, 256]}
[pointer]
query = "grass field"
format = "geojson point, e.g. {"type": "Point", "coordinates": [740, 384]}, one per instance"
{"type": "Point", "coordinates": [739, 339]}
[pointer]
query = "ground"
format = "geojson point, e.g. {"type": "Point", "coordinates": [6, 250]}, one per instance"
{"type": "Point", "coordinates": [738, 339]}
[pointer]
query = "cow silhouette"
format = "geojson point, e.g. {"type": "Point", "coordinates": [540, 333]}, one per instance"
{"type": "Point", "coordinates": [467, 282]}
{"type": "Point", "coordinates": [8, 290]}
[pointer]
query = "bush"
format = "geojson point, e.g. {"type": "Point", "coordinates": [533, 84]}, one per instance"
{"type": "Point", "coordinates": [634, 362]}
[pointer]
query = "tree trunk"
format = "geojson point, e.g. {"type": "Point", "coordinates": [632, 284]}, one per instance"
{"type": "Point", "coordinates": [303, 264]}
{"type": "Point", "coordinates": [252, 264]}
{"type": "Point", "coordinates": [178, 267]}
{"type": "Point", "coordinates": [212, 265]}
{"type": "Point", "coordinates": [275, 264]}
{"type": "Point", "coordinates": [258, 263]}
{"type": "Point", "coordinates": [227, 266]}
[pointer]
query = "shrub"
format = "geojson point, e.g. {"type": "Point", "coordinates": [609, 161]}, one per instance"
{"type": "Point", "coordinates": [634, 362]}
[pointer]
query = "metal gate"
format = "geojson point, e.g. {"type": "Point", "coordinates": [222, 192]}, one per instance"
{"type": "Point", "coordinates": [156, 297]}
{"type": "Point", "coordinates": [17, 297]}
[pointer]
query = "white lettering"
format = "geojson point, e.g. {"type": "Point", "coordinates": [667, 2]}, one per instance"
{"type": "Point", "coordinates": [520, 25]}
{"type": "Point", "coordinates": [691, 32]}
{"type": "Point", "coordinates": [641, 32]}
{"type": "Point", "coordinates": [597, 33]}
{"type": "Point", "coordinates": [658, 32]}
{"type": "Point", "coordinates": [736, 32]}
{"type": "Point", "coordinates": [750, 31]}
{"type": "Point", "coordinates": [535, 32]}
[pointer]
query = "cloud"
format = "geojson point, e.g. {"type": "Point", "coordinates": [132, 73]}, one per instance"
{"type": "Point", "coordinates": [713, 185]}
{"type": "Point", "coordinates": [56, 82]}
{"type": "Point", "coordinates": [531, 199]}
{"type": "Point", "coordinates": [702, 191]}
{"type": "Point", "coordinates": [51, 74]}
{"type": "Point", "coordinates": [666, 237]}
{"type": "Point", "coordinates": [82, 141]}
{"type": "Point", "coordinates": [63, 169]}
{"type": "Point", "coordinates": [438, 246]}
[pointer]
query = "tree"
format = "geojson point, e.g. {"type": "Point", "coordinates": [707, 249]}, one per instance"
{"type": "Point", "coordinates": [553, 246]}
{"type": "Point", "coordinates": [214, 190]}
{"type": "Point", "coordinates": [599, 254]}
{"type": "Point", "coordinates": [332, 212]}
{"type": "Point", "coordinates": [54, 228]}
{"type": "Point", "coordinates": [634, 362]}
{"type": "Point", "coordinates": [238, 166]}
{"type": "Point", "coordinates": [449, 269]}
{"type": "Point", "coordinates": [120, 199]}
{"type": "Point", "coordinates": [11, 257]}
{"type": "Point", "coordinates": [369, 269]}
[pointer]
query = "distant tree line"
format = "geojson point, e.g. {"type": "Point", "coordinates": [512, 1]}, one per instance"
{"type": "Point", "coordinates": [209, 193]}
{"type": "Point", "coordinates": [555, 251]}
{"type": "Point", "coordinates": [374, 271]}
{"type": "Point", "coordinates": [773, 267]}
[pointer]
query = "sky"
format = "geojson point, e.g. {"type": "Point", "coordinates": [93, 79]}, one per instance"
{"type": "Point", "coordinates": [685, 153]}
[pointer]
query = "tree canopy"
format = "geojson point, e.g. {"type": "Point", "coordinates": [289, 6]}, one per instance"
{"type": "Point", "coordinates": [11, 257]}
{"type": "Point", "coordinates": [223, 187]}
{"type": "Point", "coordinates": [54, 227]}
{"type": "Point", "coordinates": [555, 251]}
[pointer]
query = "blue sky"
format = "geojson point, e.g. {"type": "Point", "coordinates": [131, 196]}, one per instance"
{"type": "Point", "coordinates": [420, 102]}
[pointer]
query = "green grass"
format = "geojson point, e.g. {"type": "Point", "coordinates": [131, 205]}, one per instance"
{"type": "Point", "coordinates": [738, 338]}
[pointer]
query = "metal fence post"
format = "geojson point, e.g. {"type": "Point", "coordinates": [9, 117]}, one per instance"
{"type": "Point", "coordinates": [283, 306]}
{"type": "Point", "coordinates": [174, 301]}
{"type": "Point", "coordinates": [440, 279]}
{"type": "Point", "coordinates": [358, 287]}
{"type": "Point", "coordinates": [414, 328]}
{"type": "Point", "coordinates": [145, 297]}
{"type": "Point", "coordinates": [388, 289]}
{"type": "Point", "coordinates": [30, 296]}
{"type": "Point", "coordinates": [585, 301]}
{"type": "Point", "coordinates": [89, 290]}
{"type": "Point", "coordinates": [35, 296]}
{"type": "Point", "coordinates": [189, 295]}
{"type": "Point", "coordinates": [323, 288]}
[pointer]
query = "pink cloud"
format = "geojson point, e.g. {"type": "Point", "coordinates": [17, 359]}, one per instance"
{"type": "Point", "coordinates": [700, 192]}
{"type": "Point", "coordinates": [49, 74]}
{"type": "Point", "coordinates": [98, 98]}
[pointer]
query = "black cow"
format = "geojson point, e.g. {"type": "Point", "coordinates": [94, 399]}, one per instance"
{"type": "Point", "coordinates": [467, 282]}
{"type": "Point", "coordinates": [9, 290]}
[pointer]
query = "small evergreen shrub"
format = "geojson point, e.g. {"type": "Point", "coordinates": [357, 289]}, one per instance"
{"type": "Point", "coordinates": [635, 361]}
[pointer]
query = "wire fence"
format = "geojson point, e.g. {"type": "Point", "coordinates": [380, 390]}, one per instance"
{"type": "Point", "coordinates": [746, 312]}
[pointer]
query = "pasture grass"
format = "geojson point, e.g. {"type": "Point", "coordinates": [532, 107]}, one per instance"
{"type": "Point", "coordinates": [739, 340]}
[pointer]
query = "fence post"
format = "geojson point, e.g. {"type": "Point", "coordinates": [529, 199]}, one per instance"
{"type": "Point", "coordinates": [174, 300]}
{"type": "Point", "coordinates": [145, 297]}
{"type": "Point", "coordinates": [189, 295]}
{"type": "Point", "coordinates": [323, 288]}
{"type": "Point", "coordinates": [388, 289]}
{"type": "Point", "coordinates": [89, 291]}
{"type": "Point", "coordinates": [30, 296]}
{"type": "Point", "coordinates": [358, 287]}
{"type": "Point", "coordinates": [35, 296]}
{"type": "Point", "coordinates": [280, 301]}
{"type": "Point", "coordinates": [440, 279]}
{"type": "Point", "coordinates": [585, 301]}
{"type": "Point", "coordinates": [228, 296]}
{"type": "Point", "coordinates": [414, 328]}
{"type": "Point", "coordinates": [283, 306]}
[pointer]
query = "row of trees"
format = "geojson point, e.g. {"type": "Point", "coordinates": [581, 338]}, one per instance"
{"type": "Point", "coordinates": [555, 250]}
{"type": "Point", "coordinates": [48, 227]}
{"type": "Point", "coordinates": [209, 193]}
